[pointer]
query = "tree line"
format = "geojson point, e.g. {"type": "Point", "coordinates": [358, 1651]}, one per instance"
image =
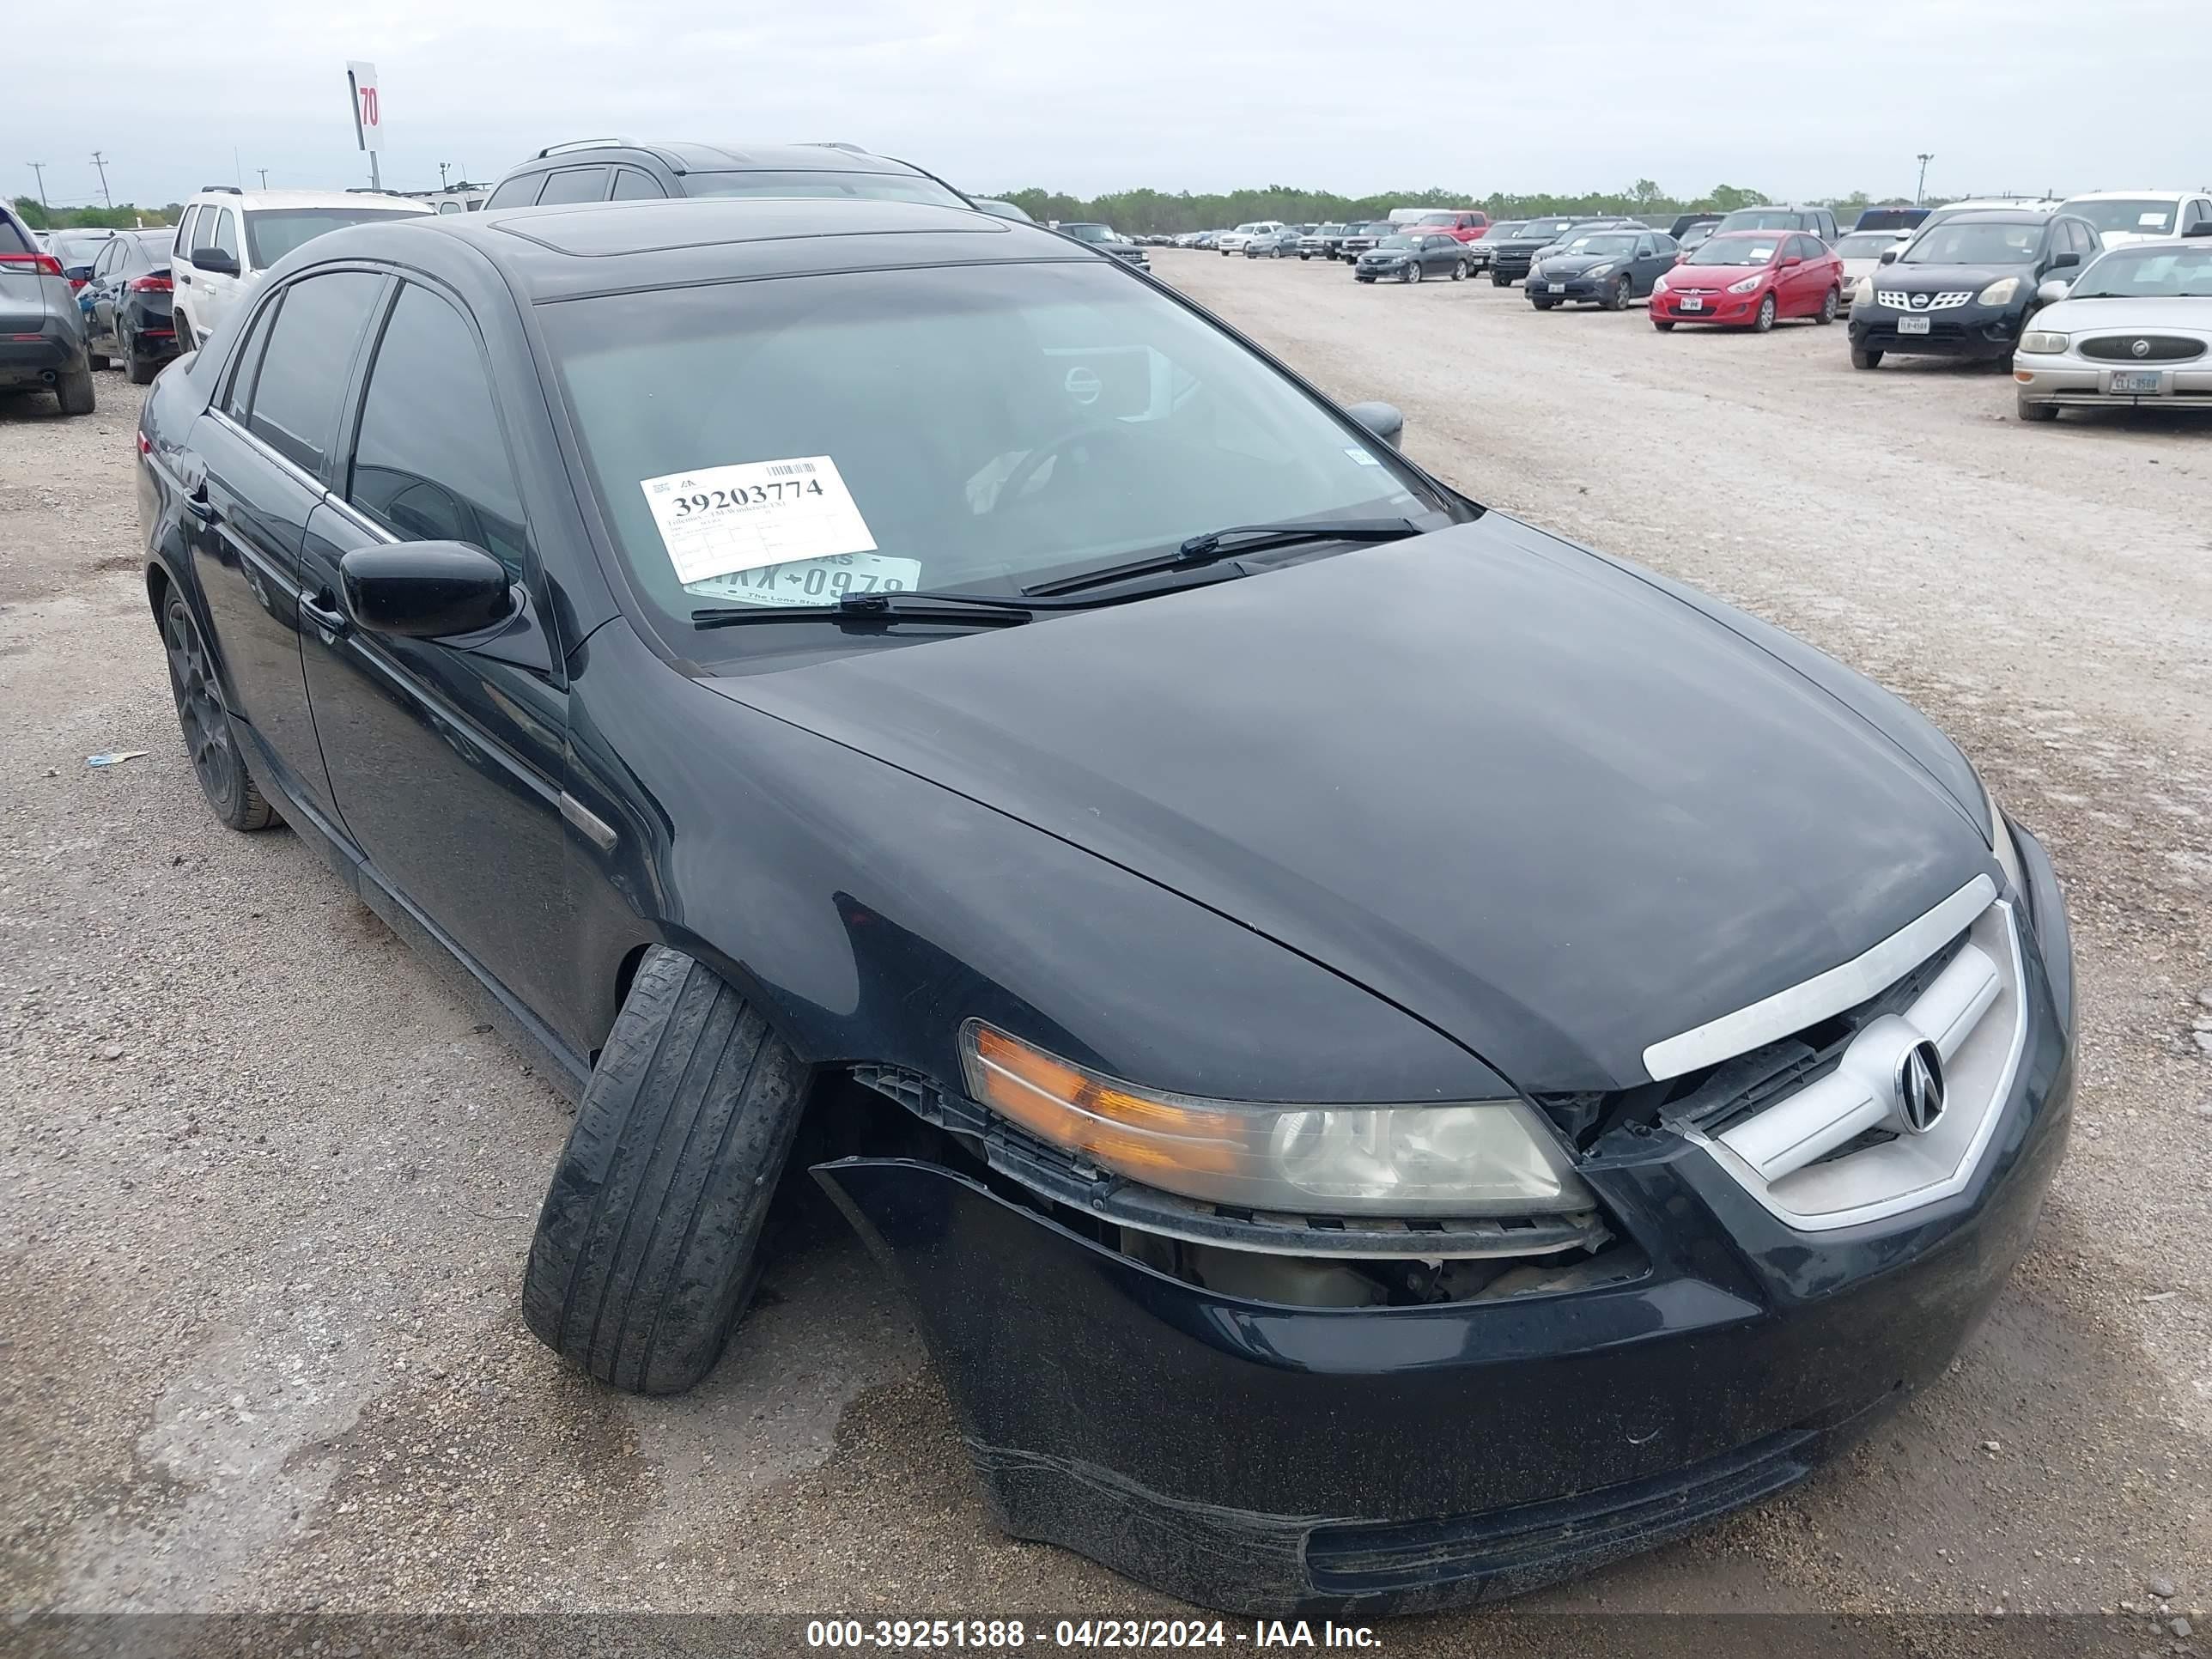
{"type": "Point", "coordinates": [1158, 213]}
{"type": "Point", "coordinates": [36, 215]}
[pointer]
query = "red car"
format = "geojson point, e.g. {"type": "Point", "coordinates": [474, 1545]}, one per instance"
{"type": "Point", "coordinates": [1461, 224]}
{"type": "Point", "coordinates": [1749, 279]}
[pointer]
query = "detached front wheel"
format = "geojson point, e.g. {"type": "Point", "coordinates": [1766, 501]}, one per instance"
{"type": "Point", "coordinates": [648, 1247]}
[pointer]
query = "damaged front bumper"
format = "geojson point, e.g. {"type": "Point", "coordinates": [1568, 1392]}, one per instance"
{"type": "Point", "coordinates": [1269, 1459]}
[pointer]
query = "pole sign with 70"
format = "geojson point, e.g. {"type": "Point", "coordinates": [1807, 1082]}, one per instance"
{"type": "Point", "coordinates": [367, 116]}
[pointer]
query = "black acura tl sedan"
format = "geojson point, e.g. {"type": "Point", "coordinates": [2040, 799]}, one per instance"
{"type": "Point", "coordinates": [1395, 1057]}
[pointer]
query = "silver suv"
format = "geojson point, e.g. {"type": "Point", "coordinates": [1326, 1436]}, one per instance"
{"type": "Point", "coordinates": [41, 330]}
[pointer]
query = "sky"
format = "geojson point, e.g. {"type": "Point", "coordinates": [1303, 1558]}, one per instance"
{"type": "Point", "coordinates": [1799, 101]}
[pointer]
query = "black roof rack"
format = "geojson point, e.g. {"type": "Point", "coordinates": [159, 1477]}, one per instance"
{"type": "Point", "coordinates": [228, 190]}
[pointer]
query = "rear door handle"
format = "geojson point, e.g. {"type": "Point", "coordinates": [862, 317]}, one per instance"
{"type": "Point", "coordinates": [322, 610]}
{"type": "Point", "coordinates": [200, 507]}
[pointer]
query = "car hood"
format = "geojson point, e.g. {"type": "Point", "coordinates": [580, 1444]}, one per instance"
{"type": "Point", "coordinates": [1573, 265]}
{"type": "Point", "coordinates": [1713, 276]}
{"type": "Point", "coordinates": [1527, 794]}
{"type": "Point", "coordinates": [2148, 314]}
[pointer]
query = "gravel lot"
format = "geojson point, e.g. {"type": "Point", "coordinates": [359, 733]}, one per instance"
{"type": "Point", "coordinates": [266, 1185]}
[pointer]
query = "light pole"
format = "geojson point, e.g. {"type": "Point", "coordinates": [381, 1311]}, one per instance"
{"type": "Point", "coordinates": [263, 172]}
{"type": "Point", "coordinates": [100, 162]}
{"type": "Point", "coordinates": [442, 166]}
{"type": "Point", "coordinates": [39, 167]}
{"type": "Point", "coordinates": [1920, 190]}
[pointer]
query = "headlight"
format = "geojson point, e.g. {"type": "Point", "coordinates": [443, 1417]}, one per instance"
{"type": "Point", "coordinates": [1477, 1158]}
{"type": "Point", "coordinates": [1747, 285]}
{"type": "Point", "coordinates": [2008, 858]}
{"type": "Point", "coordinates": [2042, 339]}
{"type": "Point", "coordinates": [1863, 293]}
{"type": "Point", "coordinates": [1599, 271]}
{"type": "Point", "coordinates": [2000, 292]}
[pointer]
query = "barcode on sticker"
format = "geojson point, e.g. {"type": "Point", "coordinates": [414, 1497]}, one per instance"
{"type": "Point", "coordinates": [786, 469]}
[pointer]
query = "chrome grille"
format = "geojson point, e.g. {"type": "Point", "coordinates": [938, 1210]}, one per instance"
{"type": "Point", "coordinates": [1897, 299]}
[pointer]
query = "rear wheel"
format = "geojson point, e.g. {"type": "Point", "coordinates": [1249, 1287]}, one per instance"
{"type": "Point", "coordinates": [138, 369]}
{"type": "Point", "coordinates": [1831, 303]}
{"type": "Point", "coordinates": [224, 778]}
{"type": "Point", "coordinates": [648, 1248]}
{"type": "Point", "coordinates": [2035, 411]}
{"type": "Point", "coordinates": [1861, 357]}
{"type": "Point", "coordinates": [1764, 321]}
{"type": "Point", "coordinates": [183, 325]}
{"type": "Point", "coordinates": [73, 390]}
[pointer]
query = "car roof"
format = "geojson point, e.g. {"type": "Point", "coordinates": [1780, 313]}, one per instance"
{"type": "Point", "coordinates": [2135, 195]}
{"type": "Point", "coordinates": [251, 199]}
{"type": "Point", "coordinates": [2002, 216]}
{"type": "Point", "coordinates": [683, 155]}
{"type": "Point", "coordinates": [570, 251]}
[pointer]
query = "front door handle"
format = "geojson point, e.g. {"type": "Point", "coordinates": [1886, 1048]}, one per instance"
{"type": "Point", "coordinates": [322, 610]}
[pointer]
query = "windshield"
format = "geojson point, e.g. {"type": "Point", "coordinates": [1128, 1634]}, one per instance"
{"type": "Point", "coordinates": [1445, 219]}
{"type": "Point", "coordinates": [1245, 230]}
{"type": "Point", "coordinates": [2132, 215]}
{"type": "Point", "coordinates": [1330, 230]}
{"type": "Point", "coordinates": [1697, 235]}
{"type": "Point", "coordinates": [1545, 228]}
{"type": "Point", "coordinates": [964, 426]}
{"type": "Point", "coordinates": [1752, 250]}
{"type": "Point", "coordinates": [1866, 244]}
{"type": "Point", "coordinates": [1089, 233]}
{"type": "Point", "coordinates": [1390, 242]}
{"type": "Point", "coordinates": [1602, 243]}
{"type": "Point", "coordinates": [272, 232]}
{"type": "Point", "coordinates": [2159, 273]}
{"type": "Point", "coordinates": [1761, 218]}
{"type": "Point", "coordinates": [869, 186]}
{"type": "Point", "coordinates": [1964, 242]}
{"type": "Point", "coordinates": [73, 251]}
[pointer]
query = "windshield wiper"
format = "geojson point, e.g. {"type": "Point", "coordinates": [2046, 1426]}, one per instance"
{"type": "Point", "coordinates": [1233, 541]}
{"type": "Point", "coordinates": [967, 610]}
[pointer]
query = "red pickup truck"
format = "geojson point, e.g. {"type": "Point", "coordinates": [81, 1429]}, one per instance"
{"type": "Point", "coordinates": [1461, 224]}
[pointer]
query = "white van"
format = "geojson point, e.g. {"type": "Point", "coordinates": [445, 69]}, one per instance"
{"type": "Point", "coordinates": [228, 238]}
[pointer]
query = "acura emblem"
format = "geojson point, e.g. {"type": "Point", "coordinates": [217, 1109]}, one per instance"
{"type": "Point", "coordinates": [1920, 1087]}
{"type": "Point", "coordinates": [2141, 347]}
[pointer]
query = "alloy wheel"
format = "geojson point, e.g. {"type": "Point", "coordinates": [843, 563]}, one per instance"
{"type": "Point", "coordinates": [199, 708]}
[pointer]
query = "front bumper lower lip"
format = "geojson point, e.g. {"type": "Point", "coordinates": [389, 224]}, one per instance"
{"type": "Point", "coordinates": [1270, 1460]}
{"type": "Point", "coordinates": [2075, 381]}
{"type": "Point", "coordinates": [1977, 332]}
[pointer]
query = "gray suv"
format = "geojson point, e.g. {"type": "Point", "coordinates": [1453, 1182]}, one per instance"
{"type": "Point", "coordinates": [42, 330]}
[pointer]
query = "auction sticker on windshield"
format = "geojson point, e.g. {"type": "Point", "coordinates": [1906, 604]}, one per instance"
{"type": "Point", "coordinates": [771, 533]}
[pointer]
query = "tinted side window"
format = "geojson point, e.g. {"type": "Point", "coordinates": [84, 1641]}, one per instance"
{"type": "Point", "coordinates": [631, 185]}
{"type": "Point", "coordinates": [427, 461]}
{"type": "Point", "coordinates": [576, 184]}
{"type": "Point", "coordinates": [517, 193]}
{"type": "Point", "coordinates": [224, 238]}
{"type": "Point", "coordinates": [295, 397]}
{"type": "Point", "coordinates": [239, 397]}
{"type": "Point", "coordinates": [13, 240]}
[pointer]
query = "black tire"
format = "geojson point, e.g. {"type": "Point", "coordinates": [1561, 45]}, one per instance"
{"type": "Point", "coordinates": [138, 369]}
{"type": "Point", "coordinates": [224, 777]}
{"type": "Point", "coordinates": [1459, 272]}
{"type": "Point", "coordinates": [1410, 271]}
{"type": "Point", "coordinates": [1541, 302]}
{"type": "Point", "coordinates": [1862, 357]}
{"type": "Point", "coordinates": [1362, 279]}
{"type": "Point", "coordinates": [1616, 296]}
{"type": "Point", "coordinates": [1499, 279]}
{"type": "Point", "coordinates": [73, 391]}
{"type": "Point", "coordinates": [2033, 412]}
{"type": "Point", "coordinates": [97, 359]}
{"type": "Point", "coordinates": [1763, 323]}
{"type": "Point", "coordinates": [183, 327]}
{"type": "Point", "coordinates": [1830, 307]}
{"type": "Point", "coordinates": [1663, 324]}
{"type": "Point", "coordinates": [648, 1249]}
{"type": "Point", "coordinates": [1303, 257]}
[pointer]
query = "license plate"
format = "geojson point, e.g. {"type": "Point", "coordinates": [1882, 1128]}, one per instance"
{"type": "Point", "coordinates": [2133, 384]}
{"type": "Point", "coordinates": [1913, 325]}
{"type": "Point", "coordinates": [1691, 302]}
{"type": "Point", "coordinates": [1555, 288]}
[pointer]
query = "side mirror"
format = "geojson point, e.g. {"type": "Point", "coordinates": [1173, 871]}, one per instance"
{"type": "Point", "coordinates": [215, 261]}
{"type": "Point", "coordinates": [2202, 227]}
{"type": "Point", "coordinates": [1384, 420]}
{"type": "Point", "coordinates": [1888, 256]}
{"type": "Point", "coordinates": [2062, 261]}
{"type": "Point", "coordinates": [2053, 291]}
{"type": "Point", "coordinates": [426, 590]}
{"type": "Point", "coordinates": [1790, 259]}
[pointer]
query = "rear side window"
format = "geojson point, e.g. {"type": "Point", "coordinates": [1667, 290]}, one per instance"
{"type": "Point", "coordinates": [239, 397]}
{"type": "Point", "coordinates": [631, 185]}
{"type": "Point", "coordinates": [517, 193]}
{"type": "Point", "coordinates": [295, 397]}
{"type": "Point", "coordinates": [428, 464]}
{"type": "Point", "coordinates": [12, 239]}
{"type": "Point", "coordinates": [574, 185]}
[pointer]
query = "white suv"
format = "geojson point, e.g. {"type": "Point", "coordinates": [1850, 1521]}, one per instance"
{"type": "Point", "coordinates": [1235, 240]}
{"type": "Point", "coordinates": [228, 238]}
{"type": "Point", "coordinates": [2122, 216]}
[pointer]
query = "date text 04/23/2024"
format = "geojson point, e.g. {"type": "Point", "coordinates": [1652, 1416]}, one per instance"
{"type": "Point", "coordinates": [991, 1635]}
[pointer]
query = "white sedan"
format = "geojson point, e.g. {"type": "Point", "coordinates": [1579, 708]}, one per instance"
{"type": "Point", "coordinates": [1861, 251]}
{"type": "Point", "coordinates": [2133, 330]}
